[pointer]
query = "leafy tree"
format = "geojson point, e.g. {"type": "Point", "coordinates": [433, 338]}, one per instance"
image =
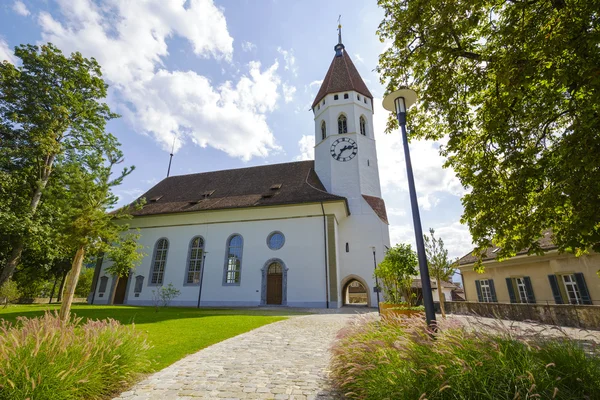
{"type": "Point", "coordinates": [515, 87]}
{"type": "Point", "coordinates": [9, 292]}
{"type": "Point", "coordinates": [84, 283]}
{"type": "Point", "coordinates": [49, 104]}
{"type": "Point", "coordinates": [125, 255]}
{"type": "Point", "coordinates": [440, 266]}
{"type": "Point", "coordinates": [396, 273]}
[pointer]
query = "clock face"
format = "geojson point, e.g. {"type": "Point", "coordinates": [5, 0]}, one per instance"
{"type": "Point", "coordinates": [344, 149]}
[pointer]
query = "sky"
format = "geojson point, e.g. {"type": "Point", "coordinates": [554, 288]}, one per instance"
{"type": "Point", "coordinates": [230, 82]}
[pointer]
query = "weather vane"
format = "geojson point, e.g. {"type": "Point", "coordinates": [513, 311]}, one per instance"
{"type": "Point", "coordinates": [340, 29]}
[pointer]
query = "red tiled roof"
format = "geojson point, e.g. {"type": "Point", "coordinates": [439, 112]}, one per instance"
{"type": "Point", "coordinates": [342, 76]}
{"type": "Point", "coordinates": [378, 205]}
{"type": "Point", "coordinates": [266, 185]}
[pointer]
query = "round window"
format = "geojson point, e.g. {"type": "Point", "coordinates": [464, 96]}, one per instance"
{"type": "Point", "coordinates": [275, 240]}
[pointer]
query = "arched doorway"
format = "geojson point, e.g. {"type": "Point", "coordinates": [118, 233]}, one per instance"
{"type": "Point", "coordinates": [355, 292]}
{"type": "Point", "coordinates": [274, 283]}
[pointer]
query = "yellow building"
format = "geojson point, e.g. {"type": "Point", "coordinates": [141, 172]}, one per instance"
{"type": "Point", "coordinates": [549, 279]}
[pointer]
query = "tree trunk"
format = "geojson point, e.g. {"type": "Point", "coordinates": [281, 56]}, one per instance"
{"type": "Point", "coordinates": [441, 296]}
{"type": "Point", "coordinates": [53, 289]}
{"type": "Point", "coordinates": [15, 254]}
{"type": "Point", "coordinates": [62, 286]}
{"type": "Point", "coordinates": [72, 278]}
{"type": "Point", "coordinates": [113, 289]}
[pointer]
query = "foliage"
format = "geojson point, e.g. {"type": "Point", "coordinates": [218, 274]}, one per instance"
{"type": "Point", "coordinates": [84, 284]}
{"type": "Point", "coordinates": [174, 332]}
{"type": "Point", "coordinates": [9, 292]}
{"type": "Point", "coordinates": [396, 272]}
{"type": "Point", "coordinates": [125, 255]}
{"type": "Point", "coordinates": [440, 266]}
{"type": "Point", "coordinates": [401, 359]}
{"type": "Point", "coordinates": [52, 122]}
{"type": "Point", "coordinates": [163, 295]}
{"type": "Point", "coordinates": [515, 87]}
{"type": "Point", "coordinates": [46, 358]}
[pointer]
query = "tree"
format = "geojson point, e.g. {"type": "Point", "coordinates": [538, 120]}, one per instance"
{"type": "Point", "coordinates": [396, 273]}
{"type": "Point", "coordinates": [125, 255]}
{"type": "Point", "coordinates": [48, 105]}
{"type": "Point", "coordinates": [515, 88]}
{"type": "Point", "coordinates": [440, 266]}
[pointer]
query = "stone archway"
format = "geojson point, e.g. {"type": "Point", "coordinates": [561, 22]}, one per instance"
{"type": "Point", "coordinates": [355, 291]}
{"type": "Point", "coordinates": [274, 266]}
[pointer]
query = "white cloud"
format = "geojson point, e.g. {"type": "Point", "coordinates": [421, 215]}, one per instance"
{"type": "Point", "coordinates": [129, 40]}
{"type": "Point", "coordinates": [20, 8]}
{"type": "Point", "coordinates": [359, 58]}
{"type": "Point", "coordinates": [248, 46]}
{"type": "Point", "coordinates": [6, 52]}
{"type": "Point", "coordinates": [289, 60]}
{"type": "Point", "coordinates": [307, 148]}
{"type": "Point", "coordinates": [396, 212]}
{"type": "Point", "coordinates": [288, 92]}
{"type": "Point", "coordinates": [316, 83]}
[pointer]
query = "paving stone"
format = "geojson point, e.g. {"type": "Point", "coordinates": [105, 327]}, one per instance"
{"type": "Point", "coordinates": [284, 360]}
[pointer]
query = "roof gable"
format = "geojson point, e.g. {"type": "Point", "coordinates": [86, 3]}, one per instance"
{"type": "Point", "coordinates": [342, 76]}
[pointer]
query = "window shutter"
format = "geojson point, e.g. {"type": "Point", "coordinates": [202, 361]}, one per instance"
{"type": "Point", "coordinates": [493, 290]}
{"type": "Point", "coordinates": [479, 296]}
{"type": "Point", "coordinates": [555, 289]}
{"type": "Point", "coordinates": [582, 286]}
{"type": "Point", "coordinates": [529, 288]}
{"type": "Point", "coordinates": [511, 290]}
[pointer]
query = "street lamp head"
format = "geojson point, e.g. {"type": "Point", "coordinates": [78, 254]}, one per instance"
{"type": "Point", "coordinates": [400, 100]}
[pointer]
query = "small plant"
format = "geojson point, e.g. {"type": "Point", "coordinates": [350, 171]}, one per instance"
{"type": "Point", "coordinates": [164, 295]}
{"type": "Point", "coordinates": [397, 358]}
{"type": "Point", "coordinates": [9, 292]}
{"type": "Point", "coordinates": [395, 273]}
{"type": "Point", "coordinates": [46, 358]}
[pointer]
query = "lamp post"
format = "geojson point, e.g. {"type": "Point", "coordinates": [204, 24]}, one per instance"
{"type": "Point", "coordinates": [376, 280]}
{"type": "Point", "coordinates": [398, 102]}
{"type": "Point", "coordinates": [201, 277]}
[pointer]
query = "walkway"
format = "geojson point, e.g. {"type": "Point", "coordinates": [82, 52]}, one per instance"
{"type": "Point", "coordinates": [283, 360]}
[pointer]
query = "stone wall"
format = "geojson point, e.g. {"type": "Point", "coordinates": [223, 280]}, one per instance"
{"type": "Point", "coordinates": [44, 300]}
{"type": "Point", "coordinates": [587, 317]}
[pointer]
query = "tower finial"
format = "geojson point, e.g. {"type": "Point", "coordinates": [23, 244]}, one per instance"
{"type": "Point", "coordinates": [339, 46]}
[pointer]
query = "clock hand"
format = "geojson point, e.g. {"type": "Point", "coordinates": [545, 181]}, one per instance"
{"type": "Point", "coordinates": [343, 150]}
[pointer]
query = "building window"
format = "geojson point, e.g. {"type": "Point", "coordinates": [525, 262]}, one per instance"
{"type": "Point", "coordinates": [233, 265]}
{"type": "Point", "coordinates": [318, 106]}
{"type": "Point", "coordinates": [521, 289]}
{"type": "Point", "coordinates": [358, 97]}
{"type": "Point", "coordinates": [194, 265]}
{"type": "Point", "coordinates": [345, 95]}
{"type": "Point", "coordinates": [159, 261]}
{"type": "Point", "coordinates": [363, 126]}
{"type": "Point", "coordinates": [275, 240]}
{"type": "Point", "coordinates": [323, 101]}
{"type": "Point", "coordinates": [342, 124]}
{"type": "Point", "coordinates": [336, 97]}
{"type": "Point", "coordinates": [486, 292]}
{"type": "Point", "coordinates": [347, 247]}
{"type": "Point", "coordinates": [365, 100]}
{"type": "Point", "coordinates": [323, 130]}
{"type": "Point", "coordinates": [573, 293]}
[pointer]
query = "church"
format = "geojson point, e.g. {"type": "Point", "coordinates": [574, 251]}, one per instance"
{"type": "Point", "coordinates": [298, 234]}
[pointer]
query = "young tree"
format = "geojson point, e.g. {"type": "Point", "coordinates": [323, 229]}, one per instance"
{"type": "Point", "coordinates": [440, 266]}
{"type": "Point", "coordinates": [48, 105]}
{"type": "Point", "coordinates": [125, 255]}
{"type": "Point", "coordinates": [396, 273]}
{"type": "Point", "coordinates": [515, 87]}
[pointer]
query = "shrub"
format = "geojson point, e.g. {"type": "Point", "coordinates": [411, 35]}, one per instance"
{"type": "Point", "coordinates": [9, 292]}
{"type": "Point", "coordinates": [84, 283]}
{"type": "Point", "coordinates": [402, 359]}
{"type": "Point", "coordinates": [44, 358]}
{"type": "Point", "coordinates": [395, 273]}
{"type": "Point", "coordinates": [164, 295]}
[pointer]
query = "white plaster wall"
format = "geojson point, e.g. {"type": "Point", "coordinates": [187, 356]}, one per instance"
{"type": "Point", "coordinates": [302, 254]}
{"type": "Point", "coordinates": [446, 291]}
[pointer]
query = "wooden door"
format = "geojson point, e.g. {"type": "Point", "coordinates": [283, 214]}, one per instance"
{"type": "Point", "coordinates": [121, 290]}
{"type": "Point", "coordinates": [274, 284]}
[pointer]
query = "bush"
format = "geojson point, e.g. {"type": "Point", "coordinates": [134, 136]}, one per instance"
{"type": "Point", "coordinates": [9, 292]}
{"type": "Point", "coordinates": [164, 295]}
{"type": "Point", "coordinates": [402, 359]}
{"type": "Point", "coordinates": [44, 358]}
{"type": "Point", "coordinates": [84, 283]}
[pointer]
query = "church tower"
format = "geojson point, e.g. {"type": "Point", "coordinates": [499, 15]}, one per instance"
{"type": "Point", "coordinates": [345, 153]}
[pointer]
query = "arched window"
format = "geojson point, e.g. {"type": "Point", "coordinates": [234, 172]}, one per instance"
{"type": "Point", "coordinates": [159, 261]}
{"type": "Point", "coordinates": [363, 126]}
{"type": "Point", "coordinates": [233, 264]}
{"type": "Point", "coordinates": [342, 124]}
{"type": "Point", "coordinates": [323, 130]}
{"type": "Point", "coordinates": [194, 265]}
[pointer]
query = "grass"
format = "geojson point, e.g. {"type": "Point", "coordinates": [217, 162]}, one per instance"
{"type": "Point", "coordinates": [172, 332]}
{"type": "Point", "coordinates": [401, 359]}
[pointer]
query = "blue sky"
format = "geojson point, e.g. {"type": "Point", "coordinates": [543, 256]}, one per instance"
{"type": "Point", "coordinates": [233, 81]}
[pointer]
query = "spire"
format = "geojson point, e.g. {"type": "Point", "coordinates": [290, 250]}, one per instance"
{"type": "Point", "coordinates": [339, 46]}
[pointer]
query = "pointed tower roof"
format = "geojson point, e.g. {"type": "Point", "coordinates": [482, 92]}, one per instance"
{"type": "Point", "coordinates": [342, 76]}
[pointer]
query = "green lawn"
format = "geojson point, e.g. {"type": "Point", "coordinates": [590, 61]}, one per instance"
{"type": "Point", "coordinates": [173, 332]}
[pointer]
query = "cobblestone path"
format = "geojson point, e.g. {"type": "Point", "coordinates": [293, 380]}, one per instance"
{"type": "Point", "coordinates": [283, 360]}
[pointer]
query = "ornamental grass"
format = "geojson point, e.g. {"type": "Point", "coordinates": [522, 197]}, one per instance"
{"type": "Point", "coordinates": [44, 358]}
{"type": "Point", "coordinates": [399, 359]}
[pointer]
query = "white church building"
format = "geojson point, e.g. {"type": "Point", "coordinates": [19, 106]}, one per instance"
{"type": "Point", "coordinates": [299, 234]}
